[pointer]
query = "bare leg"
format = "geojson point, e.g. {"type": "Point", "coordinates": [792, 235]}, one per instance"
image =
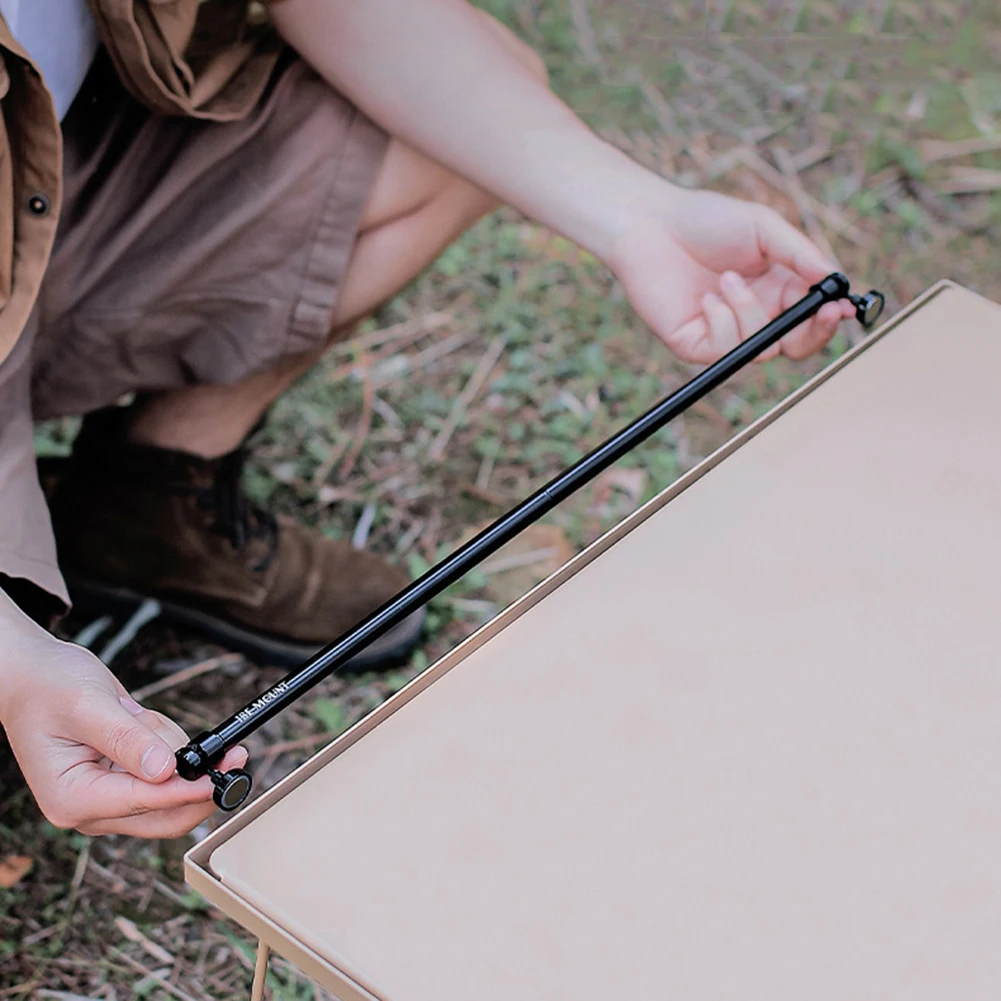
{"type": "Point", "coordinates": [416, 209]}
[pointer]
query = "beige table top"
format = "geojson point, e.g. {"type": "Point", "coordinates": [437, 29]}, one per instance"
{"type": "Point", "coordinates": [752, 751]}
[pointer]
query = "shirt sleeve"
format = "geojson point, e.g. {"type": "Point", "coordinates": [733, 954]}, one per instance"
{"type": "Point", "coordinates": [27, 545]}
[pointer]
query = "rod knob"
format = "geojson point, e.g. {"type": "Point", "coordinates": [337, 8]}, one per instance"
{"type": "Point", "coordinates": [868, 307]}
{"type": "Point", "coordinates": [231, 788]}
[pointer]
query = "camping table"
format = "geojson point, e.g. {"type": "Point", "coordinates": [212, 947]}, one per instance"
{"type": "Point", "coordinates": [747, 745]}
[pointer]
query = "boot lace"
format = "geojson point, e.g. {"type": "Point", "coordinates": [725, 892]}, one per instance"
{"type": "Point", "coordinates": [235, 517]}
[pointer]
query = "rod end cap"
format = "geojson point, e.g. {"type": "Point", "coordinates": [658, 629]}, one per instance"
{"type": "Point", "coordinates": [192, 762]}
{"type": "Point", "coordinates": [835, 286]}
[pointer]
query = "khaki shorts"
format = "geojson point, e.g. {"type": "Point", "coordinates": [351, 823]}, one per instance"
{"type": "Point", "coordinates": [197, 252]}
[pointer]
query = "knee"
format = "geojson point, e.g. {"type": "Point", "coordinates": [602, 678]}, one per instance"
{"type": "Point", "coordinates": [467, 203]}
{"type": "Point", "coordinates": [522, 51]}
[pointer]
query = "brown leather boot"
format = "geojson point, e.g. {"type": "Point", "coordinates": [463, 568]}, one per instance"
{"type": "Point", "coordinates": [134, 522]}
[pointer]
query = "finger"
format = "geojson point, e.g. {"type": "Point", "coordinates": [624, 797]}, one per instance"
{"type": "Point", "coordinates": [747, 308]}
{"type": "Point", "coordinates": [100, 794]}
{"type": "Point", "coordinates": [164, 726]}
{"type": "Point", "coordinates": [723, 328]}
{"type": "Point", "coordinates": [694, 340]}
{"type": "Point", "coordinates": [783, 243]}
{"type": "Point", "coordinates": [112, 726]}
{"type": "Point", "coordinates": [793, 289]}
{"type": "Point", "coordinates": [161, 824]}
{"type": "Point", "coordinates": [690, 341]}
{"type": "Point", "coordinates": [778, 290]}
{"type": "Point", "coordinates": [96, 793]}
{"type": "Point", "coordinates": [811, 337]}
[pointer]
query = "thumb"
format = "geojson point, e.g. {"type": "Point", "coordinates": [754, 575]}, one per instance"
{"type": "Point", "coordinates": [783, 243]}
{"type": "Point", "coordinates": [114, 726]}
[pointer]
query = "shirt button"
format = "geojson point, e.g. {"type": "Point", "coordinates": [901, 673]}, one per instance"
{"type": "Point", "coordinates": [38, 205]}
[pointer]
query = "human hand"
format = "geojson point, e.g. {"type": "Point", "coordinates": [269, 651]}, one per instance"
{"type": "Point", "coordinates": [706, 271]}
{"type": "Point", "coordinates": [94, 759]}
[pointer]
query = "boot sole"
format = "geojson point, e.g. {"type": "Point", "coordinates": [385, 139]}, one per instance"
{"type": "Point", "coordinates": [389, 650]}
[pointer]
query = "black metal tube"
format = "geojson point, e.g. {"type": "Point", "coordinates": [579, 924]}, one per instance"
{"type": "Point", "coordinates": [207, 748]}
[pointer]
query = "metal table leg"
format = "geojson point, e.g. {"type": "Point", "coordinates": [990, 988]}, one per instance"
{"type": "Point", "coordinates": [260, 971]}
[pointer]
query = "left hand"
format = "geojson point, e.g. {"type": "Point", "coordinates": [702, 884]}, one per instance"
{"type": "Point", "coordinates": [95, 759]}
{"type": "Point", "coordinates": [706, 271]}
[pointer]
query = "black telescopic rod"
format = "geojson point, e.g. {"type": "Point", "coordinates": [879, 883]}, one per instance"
{"type": "Point", "coordinates": [198, 757]}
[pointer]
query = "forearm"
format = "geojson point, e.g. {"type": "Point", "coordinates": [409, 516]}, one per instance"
{"type": "Point", "coordinates": [20, 640]}
{"type": "Point", "coordinates": [434, 74]}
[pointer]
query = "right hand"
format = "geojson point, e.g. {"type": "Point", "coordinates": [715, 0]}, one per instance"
{"type": "Point", "coordinates": [706, 271]}
{"type": "Point", "coordinates": [94, 759]}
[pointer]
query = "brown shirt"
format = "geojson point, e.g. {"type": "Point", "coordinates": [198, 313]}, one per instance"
{"type": "Point", "coordinates": [197, 58]}
{"type": "Point", "coordinates": [209, 59]}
